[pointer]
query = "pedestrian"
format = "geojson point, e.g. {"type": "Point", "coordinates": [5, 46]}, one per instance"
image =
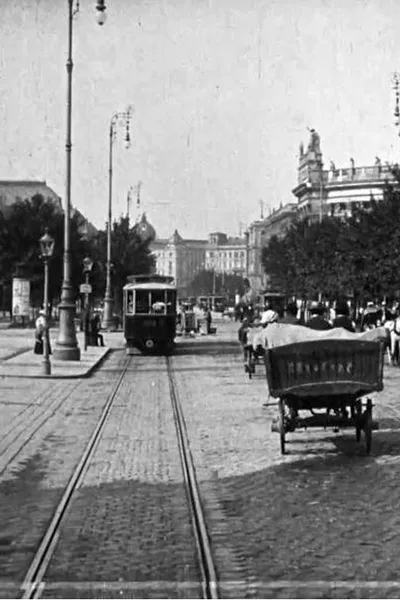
{"type": "Point", "coordinates": [342, 318]}
{"type": "Point", "coordinates": [317, 320]}
{"type": "Point", "coordinates": [96, 326]}
{"type": "Point", "coordinates": [41, 330]}
{"type": "Point", "coordinates": [209, 320]}
{"type": "Point", "coordinates": [40, 327]}
{"type": "Point", "coordinates": [243, 333]}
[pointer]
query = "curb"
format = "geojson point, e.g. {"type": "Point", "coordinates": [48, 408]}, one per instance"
{"type": "Point", "coordinates": [84, 375]}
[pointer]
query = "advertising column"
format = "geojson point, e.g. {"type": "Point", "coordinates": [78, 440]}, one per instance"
{"type": "Point", "coordinates": [21, 290]}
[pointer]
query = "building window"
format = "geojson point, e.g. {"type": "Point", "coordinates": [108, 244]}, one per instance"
{"type": "Point", "coordinates": [170, 268]}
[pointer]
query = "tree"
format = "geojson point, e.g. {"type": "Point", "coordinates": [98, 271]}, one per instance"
{"type": "Point", "coordinates": [21, 226]}
{"type": "Point", "coordinates": [358, 256]}
{"type": "Point", "coordinates": [205, 282]}
{"type": "Point", "coordinates": [130, 255]}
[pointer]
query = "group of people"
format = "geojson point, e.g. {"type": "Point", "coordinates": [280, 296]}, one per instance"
{"type": "Point", "coordinates": [199, 318]}
{"type": "Point", "coordinates": [251, 331]}
{"type": "Point", "coordinates": [91, 324]}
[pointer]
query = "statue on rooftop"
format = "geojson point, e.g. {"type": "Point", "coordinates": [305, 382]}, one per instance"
{"type": "Point", "coordinates": [314, 143]}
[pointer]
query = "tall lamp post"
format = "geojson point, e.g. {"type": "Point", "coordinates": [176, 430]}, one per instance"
{"type": "Point", "coordinates": [47, 247]}
{"type": "Point", "coordinates": [87, 267]}
{"type": "Point", "coordinates": [67, 344]}
{"type": "Point", "coordinates": [108, 320]}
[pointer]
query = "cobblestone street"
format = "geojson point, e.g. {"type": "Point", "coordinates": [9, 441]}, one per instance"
{"type": "Point", "coordinates": [325, 513]}
{"type": "Point", "coordinates": [321, 521]}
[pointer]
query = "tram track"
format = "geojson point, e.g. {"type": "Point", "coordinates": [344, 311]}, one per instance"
{"type": "Point", "coordinates": [36, 578]}
{"type": "Point", "coordinates": [206, 561]}
{"type": "Point", "coordinates": [32, 585]}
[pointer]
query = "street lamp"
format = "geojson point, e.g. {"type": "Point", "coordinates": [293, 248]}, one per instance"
{"type": "Point", "coordinates": [115, 120]}
{"type": "Point", "coordinates": [87, 267]}
{"type": "Point", "coordinates": [47, 247]}
{"type": "Point", "coordinates": [67, 344]}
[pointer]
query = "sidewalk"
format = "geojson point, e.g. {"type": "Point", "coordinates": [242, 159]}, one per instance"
{"type": "Point", "coordinates": [18, 360]}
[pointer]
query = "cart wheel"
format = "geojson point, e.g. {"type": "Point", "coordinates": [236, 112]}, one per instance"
{"type": "Point", "coordinates": [358, 418]}
{"type": "Point", "coordinates": [368, 426]}
{"type": "Point", "coordinates": [281, 423]}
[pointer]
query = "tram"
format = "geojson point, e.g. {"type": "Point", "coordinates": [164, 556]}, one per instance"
{"type": "Point", "coordinates": [149, 304]}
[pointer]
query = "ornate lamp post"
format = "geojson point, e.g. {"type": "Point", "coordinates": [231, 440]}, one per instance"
{"type": "Point", "coordinates": [87, 267]}
{"type": "Point", "coordinates": [47, 247]}
{"type": "Point", "coordinates": [115, 120]}
{"type": "Point", "coordinates": [67, 345]}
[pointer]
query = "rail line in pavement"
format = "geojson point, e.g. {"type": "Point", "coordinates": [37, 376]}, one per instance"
{"type": "Point", "coordinates": [206, 562]}
{"type": "Point", "coordinates": [32, 585]}
{"type": "Point", "coordinates": [34, 582]}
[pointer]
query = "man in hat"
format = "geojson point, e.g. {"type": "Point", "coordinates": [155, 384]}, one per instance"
{"type": "Point", "coordinates": [342, 318]}
{"type": "Point", "coordinates": [317, 320]}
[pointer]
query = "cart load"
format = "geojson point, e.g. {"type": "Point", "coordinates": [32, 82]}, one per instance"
{"type": "Point", "coordinates": [325, 373]}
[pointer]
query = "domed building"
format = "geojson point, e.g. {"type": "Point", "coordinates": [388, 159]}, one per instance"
{"type": "Point", "coordinates": [144, 229]}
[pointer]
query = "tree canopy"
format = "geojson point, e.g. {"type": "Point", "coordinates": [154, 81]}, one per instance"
{"type": "Point", "coordinates": [205, 282]}
{"type": "Point", "coordinates": [358, 256]}
{"type": "Point", "coordinates": [23, 224]}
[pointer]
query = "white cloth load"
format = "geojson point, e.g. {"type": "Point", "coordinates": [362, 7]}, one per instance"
{"type": "Point", "coordinates": [281, 334]}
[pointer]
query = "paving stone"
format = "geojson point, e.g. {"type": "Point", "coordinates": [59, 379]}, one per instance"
{"type": "Point", "coordinates": [130, 519]}
{"type": "Point", "coordinates": [324, 512]}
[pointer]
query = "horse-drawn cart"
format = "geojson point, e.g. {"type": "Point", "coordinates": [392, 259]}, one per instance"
{"type": "Point", "coordinates": [328, 378]}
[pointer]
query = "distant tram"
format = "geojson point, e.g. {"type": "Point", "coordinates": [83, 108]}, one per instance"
{"type": "Point", "coordinates": [149, 313]}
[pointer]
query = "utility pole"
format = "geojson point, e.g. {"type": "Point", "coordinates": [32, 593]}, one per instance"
{"type": "Point", "coordinates": [128, 202]}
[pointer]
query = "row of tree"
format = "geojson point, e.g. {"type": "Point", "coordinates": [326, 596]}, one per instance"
{"type": "Point", "coordinates": [24, 222]}
{"type": "Point", "coordinates": [209, 282]}
{"type": "Point", "coordinates": [358, 256]}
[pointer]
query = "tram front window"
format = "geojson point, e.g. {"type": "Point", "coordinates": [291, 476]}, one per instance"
{"type": "Point", "coordinates": [142, 302]}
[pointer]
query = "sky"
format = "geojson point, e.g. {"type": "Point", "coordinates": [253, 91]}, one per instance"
{"type": "Point", "coordinates": [222, 91]}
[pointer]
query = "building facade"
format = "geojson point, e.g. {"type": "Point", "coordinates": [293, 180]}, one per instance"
{"type": "Point", "coordinates": [184, 258]}
{"type": "Point", "coordinates": [335, 192]}
{"type": "Point", "coordinates": [259, 234]}
{"type": "Point", "coordinates": [226, 255]}
{"type": "Point", "coordinates": [180, 258]}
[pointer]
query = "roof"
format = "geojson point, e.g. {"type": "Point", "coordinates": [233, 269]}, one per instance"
{"type": "Point", "coordinates": [149, 278]}
{"type": "Point", "coordinates": [24, 182]}
{"type": "Point", "coordinates": [149, 286]}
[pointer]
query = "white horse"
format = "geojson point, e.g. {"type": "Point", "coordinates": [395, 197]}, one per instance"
{"type": "Point", "coordinates": [394, 350]}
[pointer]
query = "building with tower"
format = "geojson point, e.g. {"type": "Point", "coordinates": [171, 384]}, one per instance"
{"type": "Point", "coordinates": [335, 191]}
